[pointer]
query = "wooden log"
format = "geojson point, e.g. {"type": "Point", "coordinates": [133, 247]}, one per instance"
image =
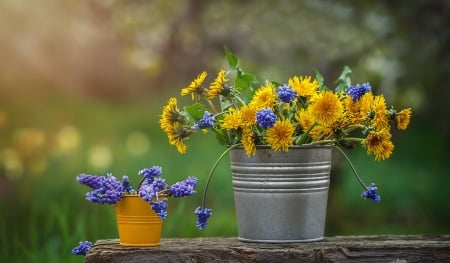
{"type": "Point", "coordinates": [398, 249]}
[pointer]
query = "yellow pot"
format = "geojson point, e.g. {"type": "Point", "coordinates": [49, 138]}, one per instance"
{"type": "Point", "coordinates": [137, 223]}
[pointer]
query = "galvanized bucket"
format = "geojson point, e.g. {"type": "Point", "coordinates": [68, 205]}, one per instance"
{"type": "Point", "coordinates": [281, 197]}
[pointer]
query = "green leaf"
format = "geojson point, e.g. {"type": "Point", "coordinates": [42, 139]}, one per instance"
{"type": "Point", "coordinates": [345, 73]}
{"type": "Point", "coordinates": [221, 137]}
{"type": "Point", "coordinates": [225, 104]}
{"type": "Point", "coordinates": [344, 80]}
{"type": "Point", "coordinates": [196, 110]}
{"type": "Point", "coordinates": [277, 84]}
{"type": "Point", "coordinates": [244, 81]}
{"type": "Point", "coordinates": [321, 80]}
{"type": "Point", "coordinates": [232, 59]}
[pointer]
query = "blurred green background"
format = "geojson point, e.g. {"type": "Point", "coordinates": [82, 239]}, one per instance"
{"type": "Point", "coordinates": [82, 84]}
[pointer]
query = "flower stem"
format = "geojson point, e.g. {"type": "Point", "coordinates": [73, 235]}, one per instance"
{"type": "Point", "coordinates": [211, 173]}
{"type": "Point", "coordinates": [240, 100]}
{"type": "Point", "coordinates": [213, 108]}
{"type": "Point", "coordinates": [302, 139]}
{"type": "Point", "coordinates": [351, 166]}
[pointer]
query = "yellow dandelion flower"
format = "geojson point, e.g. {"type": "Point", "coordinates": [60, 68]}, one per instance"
{"type": "Point", "coordinates": [216, 87]}
{"type": "Point", "coordinates": [380, 119]}
{"type": "Point", "coordinates": [280, 135]}
{"type": "Point", "coordinates": [402, 118]}
{"type": "Point", "coordinates": [326, 108]}
{"type": "Point", "coordinates": [360, 109]}
{"type": "Point", "coordinates": [303, 85]}
{"type": "Point", "coordinates": [232, 119]}
{"type": "Point", "coordinates": [248, 142]}
{"type": "Point", "coordinates": [176, 137]}
{"type": "Point", "coordinates": [248, 115]}
{"type": "Point", "coordinates": [264, 97]}
{"type": "Point", "coordinates": [306, 120]}
{"type": "Point", "coordinates": [169, 115]}
{"type": "Point", "coordinates": [379, 143]}
{"type": "Point", "coordinates": [195, 86]}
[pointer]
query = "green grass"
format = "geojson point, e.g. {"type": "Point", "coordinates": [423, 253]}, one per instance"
{"type": "Point", "coordinates": [44, 214]}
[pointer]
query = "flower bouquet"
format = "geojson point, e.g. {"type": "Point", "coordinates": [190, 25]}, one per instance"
{"type": "Point", "coordinates": [245, 112]}
{"type": "Point", "coordinates": [152, 190]}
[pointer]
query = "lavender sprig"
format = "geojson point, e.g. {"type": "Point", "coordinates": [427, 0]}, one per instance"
{"type": "Point", "coordinates": [82, 248]}
{"type": "Point", "coordinates": [105, 190]}
{"type": "Point", "coordinates": [371, 193]}
{"type": "Point", "coordinates": [184, 188]}
{"type": "Point", "coordinates": [202, 217]}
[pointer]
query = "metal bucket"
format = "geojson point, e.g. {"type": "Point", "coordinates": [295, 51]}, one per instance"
{"type": "Point", "coordinates": [281, 197]}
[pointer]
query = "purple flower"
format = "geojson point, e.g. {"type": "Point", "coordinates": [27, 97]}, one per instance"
{"type": "Point", "coordinates": [149, 190]}
{"type": "Point", "coordinates": [207, 121]}
{"type": "Point", "coordinates": [286, 94]}
{"type": "Point", "coordinates": [160, 207]}
{"type": "Point", "coordinates": [126, 186]}
{"type": "Point", "coordinates": [266, 118]}
{"type": "Point", "coordinates": [358, 91]}
{"type": "Point", "coordinates": [105, 190]}
{"type": "Point", "coordinates": [371, 193]}
{"type": "Point", "coordinates": [202, 217]}
{"type": "Point", "coordinates": [82, 248]}
{"type": "Point", "coordinates": [184, 188]}
{"type": "Point", "coordinates": [151, 173]}
{"type": "Point", "coordinates": [112, 190]}
{"type": "Point", "coordinates": [91, 181]}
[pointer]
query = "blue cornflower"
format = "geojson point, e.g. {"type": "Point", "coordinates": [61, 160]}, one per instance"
{"type": "Point", "coordinates": [126, 186]}
{"type": "Point", "coordinates": [151, 173]}
{"type": "Point", "coordinates": [207, 121]}
{"type": "Point", "coordinates": [371, 193]}
{"type": "Point", "coordinates": [82, 248]}
{"type": "Point", "coordinates": [202, 217]}
{"type": "Point", "coordinates": [184, 188]}
{"type": "Point", "coordinates": [286, 94]}
{"type": "Point", "coordinates": [358, 91]}
{"type": "Point", "coordinates": [160, 207]}
{"type": "Point", "coordinates": [266, 118]}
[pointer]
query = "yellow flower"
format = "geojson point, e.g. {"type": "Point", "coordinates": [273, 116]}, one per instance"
{"type": "Point", "coordinates": [303, 85]}
{"type": "Point", "coordinates": [306, 120]}
{"type": "Point", "coordinates": [379, 143]}
{"type": "Point", "coordinates": [280, 135]}
{"type": "Point", "coordinates": [360, 109]}
{"type": "Point", "coordinates": [248, 141]}
{"type": "Point", "coordinates": [264, 97]}
{"type": "Point", "coordinates": [402, 118]}
{"type": "Point", "coordinates": [326, 108]}
{"type": "Point", "coordinates": [380, 120]}
{"type": "Point", "coordinates": [176, 136]}
{"type": "Point", "coordinates": [248, 115]}
{"type": "Point", "coordinates": [232, 120]}
{"type": "Point", "coordinates": [216, 87]}
{"type": "Point", "coordinates": [169, 115]}
{"type": "Point", "coordinates": [195, 86]}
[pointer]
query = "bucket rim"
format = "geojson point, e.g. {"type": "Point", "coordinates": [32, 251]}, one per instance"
{"type": "Point", "coordinates": [293, 147]}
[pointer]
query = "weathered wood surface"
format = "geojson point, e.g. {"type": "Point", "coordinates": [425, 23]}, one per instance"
{"type": "Point", "coordinates": [399, 249]}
